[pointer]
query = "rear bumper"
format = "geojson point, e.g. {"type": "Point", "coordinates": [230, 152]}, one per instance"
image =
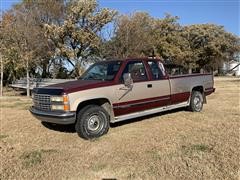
{"type": "Point", "coordinates": [54, 117]}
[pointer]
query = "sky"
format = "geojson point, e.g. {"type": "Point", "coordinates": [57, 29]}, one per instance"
{"type": "Point", "coordinates": [221, 12]}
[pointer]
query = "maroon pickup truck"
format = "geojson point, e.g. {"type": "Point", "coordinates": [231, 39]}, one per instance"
{"type": "Point", "coordinates": [117, 90]}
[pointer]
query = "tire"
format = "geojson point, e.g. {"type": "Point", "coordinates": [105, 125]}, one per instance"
{"type": "Point", "coordinates": [196, 101]}
{"type": "Point", "coordinates": [92, 122]}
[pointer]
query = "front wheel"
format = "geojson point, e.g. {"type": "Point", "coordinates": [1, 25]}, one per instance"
{"type": "Point", "coordinates": [196, 101]}
{"type": "Point", "coordinates": [92, 122]}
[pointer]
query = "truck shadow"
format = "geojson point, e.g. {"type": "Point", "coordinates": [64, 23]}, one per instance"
{"type": "Point", "coordinates": [122, 123]}
{"type": "Point", "coordinates": [71, 128]}
{"type": "Point", "coordinates": [61, 128]}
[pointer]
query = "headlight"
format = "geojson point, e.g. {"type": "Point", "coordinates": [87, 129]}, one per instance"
{"type": "Point", "coordinates": [56, 98]}
{"type": "Point", "coordinates": [60, 103]}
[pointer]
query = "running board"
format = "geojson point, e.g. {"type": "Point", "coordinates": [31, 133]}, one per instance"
{"type": "Point", "coordinates": [148, 112]}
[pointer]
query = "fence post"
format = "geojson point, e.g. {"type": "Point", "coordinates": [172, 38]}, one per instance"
{"type": "Point", "coordinates": [28, 83]}
{"type": "Point", "coordinates": [1, 86]}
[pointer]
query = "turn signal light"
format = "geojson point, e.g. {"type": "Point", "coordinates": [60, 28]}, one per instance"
{"type": "Point", "coordinates": [65, 98]}
{"type": "Point", "coordinates": [66, 107]}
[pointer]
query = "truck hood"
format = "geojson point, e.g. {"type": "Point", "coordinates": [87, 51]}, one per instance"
{"type": "Point", "coordinates": [72, 86]}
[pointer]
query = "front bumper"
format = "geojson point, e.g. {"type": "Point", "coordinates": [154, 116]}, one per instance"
{"type": "Point", "coordinates": [54, 117]}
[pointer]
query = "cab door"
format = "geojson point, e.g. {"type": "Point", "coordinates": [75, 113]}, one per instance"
{"type": "Point", "coordinates": [142, 96]}
{"type": "Point", "coordinates": [160, 83]}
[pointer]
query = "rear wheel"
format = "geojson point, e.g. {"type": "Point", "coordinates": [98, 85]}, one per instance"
{"type": "Point", "coordinates": [92, 122]}
{"type": "Point", "coordinates": [196, 101]}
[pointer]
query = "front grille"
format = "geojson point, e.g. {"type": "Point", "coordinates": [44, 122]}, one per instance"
{"type": "Point", "coordinates": [42, 102]}
{"type": "Point", "coordinates": [42, 98]}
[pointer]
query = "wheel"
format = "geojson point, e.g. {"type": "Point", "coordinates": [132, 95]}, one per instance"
{"type": "Point", "coordinates": [196, 101]}
{"type": "Point", "coordinates": [92, 122]}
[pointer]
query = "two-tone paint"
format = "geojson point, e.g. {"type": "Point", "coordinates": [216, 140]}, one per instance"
{"type": "Point", "coordinates": [145, 97]}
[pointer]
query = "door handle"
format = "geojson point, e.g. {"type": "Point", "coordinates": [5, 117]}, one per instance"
{"type": "Point", "coordinates": [149, 85]}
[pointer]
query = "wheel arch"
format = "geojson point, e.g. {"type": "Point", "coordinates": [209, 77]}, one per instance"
{"type": "Point", "coordinates": [198, 88]}
{"type": "Point", "coordinates": [100, 101]}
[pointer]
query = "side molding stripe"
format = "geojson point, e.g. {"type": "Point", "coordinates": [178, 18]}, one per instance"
{"type": "Point", "coordinates": [124, 105]}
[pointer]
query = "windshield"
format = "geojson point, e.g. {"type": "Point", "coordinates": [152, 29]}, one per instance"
{"type": "Point", "coordinates": [102, 71]}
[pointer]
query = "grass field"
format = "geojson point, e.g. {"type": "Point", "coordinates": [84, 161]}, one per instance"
{"type": "Point", "coordinates": [174, 145]}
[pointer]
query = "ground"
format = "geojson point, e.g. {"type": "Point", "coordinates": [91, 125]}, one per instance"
{"type": "Point", "coordinates": [173, 145]}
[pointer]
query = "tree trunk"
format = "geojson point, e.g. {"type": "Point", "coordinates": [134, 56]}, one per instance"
{"type": "Point", "coordinates": [28, 83]}
{"type": "Point", "coordinates": [190, 71]}
{"type": "Point", "coordinates": [1, 86]}
{"type": "Point", "coordinates": [44, 72]}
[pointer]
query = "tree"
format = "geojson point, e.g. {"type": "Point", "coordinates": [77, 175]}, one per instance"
{"type": "Point", "coordinates": [48, 34]}
{"type": "Point", "coordinates": [27, 48]}
{"type": "Point", "coordinates": [194, 46]}
{"type": "Point", "coordinates": [77, 37]}
{"type": "Point", "coordinates": [167, 40]}
{"type": "Point", "coordinates": [6, 50]}
{"type": "Point", "coordinates": [210, 45]}
{"type": "Point", "coordinates": [132, 36]}
{"type": "Point", "coordinates": [45, 12]}
{"type": "Point", "coordinates": [24, 34]}
{"type": "Point", "coordinates": [141, 35]}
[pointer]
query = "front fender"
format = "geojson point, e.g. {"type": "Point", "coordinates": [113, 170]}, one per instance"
{"type": "Point", "coordinates": [77, 101]}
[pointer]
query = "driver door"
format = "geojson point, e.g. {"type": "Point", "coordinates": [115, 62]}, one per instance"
{"type": "Point", "coordinates": [133, 99]}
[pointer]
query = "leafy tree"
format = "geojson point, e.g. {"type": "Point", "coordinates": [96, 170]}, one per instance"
{"type": "Point", "coordinates": [26, 46]}
{"type": "Point", "coordinates": [48, 34]}
{"type": "Point", "coordinates": [50, 12]}
{"type": "Point", "coordinates": [194, 46]}
{"type": "Point", "coordinates": [132, 36]}
{"type": "Point", "coordinates": [24, 32]}
{"type": "Point", "coordinates": [209, 45]}
{"type": "Point", "coordinates": [77, 37]}
{"type": "Point", "coordinates": [167, 40]}
{"type": "Point", "coordinates": [38, 13]}
{"type": "Point", "coordinates": [10, 61]}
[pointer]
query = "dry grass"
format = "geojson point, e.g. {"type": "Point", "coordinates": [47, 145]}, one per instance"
{"type": "Point", "coordinates": [173, 145]}
{"type": "Point", "coordinates": [8, 91]}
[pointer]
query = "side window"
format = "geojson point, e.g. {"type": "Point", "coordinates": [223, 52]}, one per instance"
{"type": "Point", "coordinates": [156, 70]}
{"type": "Point", "coordinates": [137, 71]}
{"type": "Point", "coordinates": [174, 70]}
{"type": "Point", "coordinates": [97, 72]}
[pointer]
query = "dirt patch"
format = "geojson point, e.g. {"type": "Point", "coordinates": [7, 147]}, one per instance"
{"type": "Point", "coordinates": [32, 158]}
{"type": "Point", "coordinates": [174, 145]}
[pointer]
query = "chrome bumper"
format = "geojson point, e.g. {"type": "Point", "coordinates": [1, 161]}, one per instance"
{"type": "Point", "coordinates": [54, 117]}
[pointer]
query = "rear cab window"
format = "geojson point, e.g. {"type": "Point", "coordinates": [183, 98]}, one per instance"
{"type": "Point", "coordinates": [175, 70]}
{"type": "Point", "coordinates": [156, 69]}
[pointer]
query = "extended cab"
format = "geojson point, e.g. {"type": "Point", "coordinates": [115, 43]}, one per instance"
{"type": "Point", "coordinates": [117, 90]}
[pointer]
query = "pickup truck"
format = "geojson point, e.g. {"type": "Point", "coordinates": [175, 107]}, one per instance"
{"type": "Point", "coordinates": [118, 90]}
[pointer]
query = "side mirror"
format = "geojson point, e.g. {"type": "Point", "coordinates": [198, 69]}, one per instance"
{"type": "Point", "coordinates": [128, 81]}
